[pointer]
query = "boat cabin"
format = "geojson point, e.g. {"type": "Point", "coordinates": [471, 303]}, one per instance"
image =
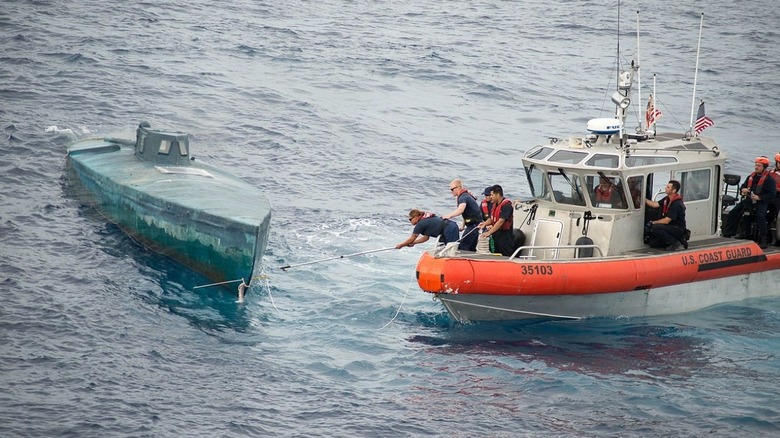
{"type": "Point", "coordinates": [589, 192]}
{"type": "Point", "coordinates": [164, 148]}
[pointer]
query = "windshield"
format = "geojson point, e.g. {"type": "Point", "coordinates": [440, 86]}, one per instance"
{"type": "Point", "coordinates": [606, 191]}
{"type": "Point", "coordinates": [567, 189]}
{"type": "Point", "coordinates": [536, 181]}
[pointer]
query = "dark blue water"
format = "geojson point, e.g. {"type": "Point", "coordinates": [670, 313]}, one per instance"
{"type": "Point", "coordinates": [349, 114]}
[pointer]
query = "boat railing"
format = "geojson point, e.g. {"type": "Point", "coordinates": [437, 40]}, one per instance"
{"type": "Point", "coordinates": [555, 250]}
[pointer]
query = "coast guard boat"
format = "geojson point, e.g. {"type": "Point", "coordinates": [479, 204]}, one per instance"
{"type": "Point", "coordinates": [579, 256]}
{"type": "Point", "coordinates": [198, 215]}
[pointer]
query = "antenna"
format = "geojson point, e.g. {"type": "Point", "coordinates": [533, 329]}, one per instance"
{"type": "Point", "coordinates": [696, 72]}
{"type": "Point", "coordinates": [617, 55]}
{"type": "Point", "coordinates": [638, 72]}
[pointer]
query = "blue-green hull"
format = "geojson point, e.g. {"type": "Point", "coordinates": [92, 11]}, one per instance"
{"type": "Point", "coordinates": [204, 218]}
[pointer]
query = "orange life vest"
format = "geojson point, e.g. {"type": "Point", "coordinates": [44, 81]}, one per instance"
{"type": "Point", "coordinates": [485, 207]}
{"type": "Point", "coordinates": [603, 194]}
{"type": "Point", "coordinates": [776, 175]}
{"type": "Point", "coordinates": [760, 181]}
{"type": "Point", "coordinates": [496, 215]}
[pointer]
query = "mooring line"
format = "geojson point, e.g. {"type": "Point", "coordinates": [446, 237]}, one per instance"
{"type": "Point", "coordinates": [217, 284]}
{"type": "Point", "coordinates": [408, 288]}
{"type": "Point", "coordinates": [268, 286]}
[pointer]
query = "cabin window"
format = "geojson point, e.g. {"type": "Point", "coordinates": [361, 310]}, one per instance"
{"type": "Point", "coordinates": [694, 184]}
{"type": "Point", "coordinates": [182, 148]}
{"type": "Point", "coordinates": [604, 160]}
{"type": "Point", "coordinates": [536, 181]}
{"type": "Point", "coordinates": [606, 191]}
{"type": "Point", "coordinates": [141, 142]}
{"type": "Point", "coordinates": [568, 157]}
{"type": "Point", "coordinates": [165, 147]}
{"type": "Point", "coordinates": [566, 188]}
{"type": "Point", "coordinates": [635, 184]}
{"type": "Point", "coordinates": [539, 153]}
{"type": "Point", "coordinates": [638, 161]}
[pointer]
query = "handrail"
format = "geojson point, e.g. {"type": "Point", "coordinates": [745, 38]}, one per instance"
{"type": "Point", "coordinates": [553, 247]}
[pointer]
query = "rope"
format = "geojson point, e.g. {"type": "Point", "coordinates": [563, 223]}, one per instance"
{"type": "Point", "coordinates": [464, 236]}
{"type": "Point", "coordinates": [268, 286]}
{"type": "Point", "coordinates": [524, 312]}
{"type": "Point", "coordinates": [240, 280]}
{"type": "Point", "coordinates": [408, 288]}
{"type": "Point", "coordinates": [285, 268]}
{"type": "Point", "coordinates": [221, 282]}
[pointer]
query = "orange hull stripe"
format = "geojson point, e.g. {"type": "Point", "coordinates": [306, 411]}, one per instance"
{"type": "Point", "coordinates": [571, 277]}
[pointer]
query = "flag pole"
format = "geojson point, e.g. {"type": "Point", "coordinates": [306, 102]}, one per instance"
{"type": "Point", "coordinates": [638, 68]}
{"type": "Point", "coordinates": [696, 72]}
{"type": "Point", "coordinates": [655, 102]}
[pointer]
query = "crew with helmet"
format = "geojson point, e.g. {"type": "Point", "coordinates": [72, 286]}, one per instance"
{"type": "Point", "coordinates": [758, 193]}
{"type": "Point", "coordinates": [774, 209]}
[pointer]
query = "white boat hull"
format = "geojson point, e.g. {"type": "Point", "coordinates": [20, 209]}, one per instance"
{"type": "Point", "coordinates": [650, 302]}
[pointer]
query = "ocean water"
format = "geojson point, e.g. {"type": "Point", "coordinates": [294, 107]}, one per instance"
{"type": "Point", "coordinates": [350, 113]}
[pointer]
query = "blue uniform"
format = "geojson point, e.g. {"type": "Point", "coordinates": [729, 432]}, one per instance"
{"type": "Point", "coordinates": [669, 235]}
{"type": "Point", "coordinates": [765, 188]}
{"type": "Point", "coordinates": [434, 226]}
{"type": "Point", "coordinates": [471, 217]}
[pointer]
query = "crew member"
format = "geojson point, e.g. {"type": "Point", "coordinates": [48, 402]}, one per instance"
{"type": "Point", "coordinates": [468, 208]}
{"type": "Point", "coordinates": [485, 246]}
{"type": "Point", "coordinates": [772, 212]}
{"type": "Point", "coordinates": [668, 232]}
{"type": "Point", "coordinates": [500, 222]}
{"type": "Point", "coordinates": [603, 193]}
{"type": "Point", "coordinates": [428, 225]}
{"type": "Point", "coordinates": [485, 206]}
{"type": "Point", "coordinates": [758, 192]}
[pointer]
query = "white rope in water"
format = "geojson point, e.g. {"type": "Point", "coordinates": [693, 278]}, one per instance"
{"type": "Point", "coordinates": [242, 288]}
{"type": "Point", "coordinates": [268, 286]}
{"type": "Point", "coordinates": [217, 284]}
{"type": "Point", "coordinates": [408, 288]}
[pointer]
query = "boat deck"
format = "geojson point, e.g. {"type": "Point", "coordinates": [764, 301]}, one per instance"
{"type": "Point", "coordinates": [698, 245]}
{"type": "Point", "coordinates": [694, 245]}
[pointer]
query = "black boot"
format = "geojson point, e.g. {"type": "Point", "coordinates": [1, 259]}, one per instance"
{"type": "Point", "coordinates": [686, 236]}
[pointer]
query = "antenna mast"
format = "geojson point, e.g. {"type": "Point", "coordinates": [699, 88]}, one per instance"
{"type": "Point", "coordinates": [638, 72]}
{"type": "Point", "coordinates": [617, 55]}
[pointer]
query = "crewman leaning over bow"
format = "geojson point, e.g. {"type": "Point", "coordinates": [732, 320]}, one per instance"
{"type": "Point", "coordinates": [427, 225]}
{"type": "Point", "coordinates": [758, 192]}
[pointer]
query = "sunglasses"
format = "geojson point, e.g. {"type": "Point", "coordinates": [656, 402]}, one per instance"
{"type": "Point", "coordinates": [452, 189]}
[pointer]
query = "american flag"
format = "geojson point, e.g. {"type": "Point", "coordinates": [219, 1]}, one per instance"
{"type": "Point", "coordinates": [652, 114]}
{"type": "Point", "coordinates": [702, 122]}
